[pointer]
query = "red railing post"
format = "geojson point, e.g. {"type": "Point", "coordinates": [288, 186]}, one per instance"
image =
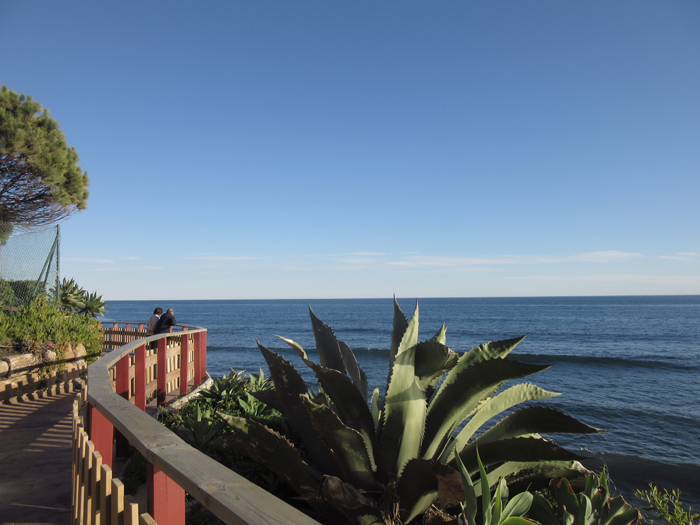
{"type": "Point", "coordinates": [203, 370]}
{"type": "Point", "coordinates": [184, 362]}
{"type": "Point", "coordinates": [102, 435]}
{"type": "Point", "coordinates": [198, 358]}
{"type": "Point", "coordinates": [140, 377]}
{"type": "Point", "coordinates": [162, 371]}
{"type": "Point", "coordinates": [122, 388]}
{"type": "Point", "coordinates": [123, 385]}
{"type": "Point", "coordinates": [166, 499]}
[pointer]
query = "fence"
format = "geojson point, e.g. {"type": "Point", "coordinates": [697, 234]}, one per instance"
{"type": "Point", "coordinates": [115, 399]}
{"type": "Point", "coordinates": [29, 266]}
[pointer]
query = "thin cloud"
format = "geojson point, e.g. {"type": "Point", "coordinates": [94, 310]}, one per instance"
{"type": "Point", "coordinates": [88, 260]}
{"type": "Point", "coordinates": [221, 258]}
{"type": "Point", "coordinates": [681, 256]}
{"type": "Point", "coordinates": [608, 278]}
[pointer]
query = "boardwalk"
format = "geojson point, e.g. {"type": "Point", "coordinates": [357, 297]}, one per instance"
{"type": "Point", "coordinates": [35, 461]}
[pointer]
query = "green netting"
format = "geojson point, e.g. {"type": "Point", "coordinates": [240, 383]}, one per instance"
{"type": "Point", "coordinates": [29, 266]}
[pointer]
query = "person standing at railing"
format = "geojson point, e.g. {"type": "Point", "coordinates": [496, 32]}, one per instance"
{"type": "Point", "coordinates": [166, 321]}
{"type": "Point", "coordinates": [153, 321]}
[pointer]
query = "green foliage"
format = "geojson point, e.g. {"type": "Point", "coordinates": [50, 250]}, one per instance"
{"type": "Point", "coordinates": [666, 507]}
{"type": "Point", "coordinates": [496, 510]}
{"type": "Point", "coordinates": [41, 179]}
{"type": "Point", "coordinates": [225, 388]}
{"type": "Point", "coordinates": [73, 298]}
{"type": "Point", "coordinates": [592, 506]}
{"type": "Point", "coordinates": [356, 458]}
{"type": "Point", "coordinates": [199, 430]}
{"type": "Point", "coordinates": [40, 322]}
{"type": "Point", "coordinates": [14, 294]}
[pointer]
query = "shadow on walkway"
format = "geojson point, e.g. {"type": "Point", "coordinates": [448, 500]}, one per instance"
{"type": "Point", "coordinates": [35, 461]}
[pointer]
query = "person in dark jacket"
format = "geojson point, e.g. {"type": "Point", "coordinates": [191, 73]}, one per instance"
{"type": "Point", "coordinates": [165, 322]}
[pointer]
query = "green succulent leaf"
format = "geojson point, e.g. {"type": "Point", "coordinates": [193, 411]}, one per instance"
{"type": "Point", "coordinates": [290, 387]}
{"type": "Point", "coordinates": [404, 407]}
{"type": "Point", "coordinates": [465, 388]}
{"type": "Point", "coordinates": [336, 355]}
{"type": "Point", "coordinates": [398, 330]}
{"type": "Point", "coordinates": [534, 420]}
{"type": "Point", "coordinates": [269, 449]}
{"type": "Point", "coordinates": [327, 345]}
{"type": "Point", "coordinates": [270, 397]}
{"type": "Point", "coordinates": [440, 336]}
{"type": "Point", "coordinates": [509, 398]}
{"type": "Point", "coordinates": [349, 402]}
{"type": "Point", "coordinates": [377, 407]}
{"type": "Point", "coordinates": [523, 449]}
{"type": "Point", "coordinates": [469, 506]}
{"type": "Point", "coordinates": [433, 360]}
{"type": "Point", "coordinates": [421, 482]}
{"type": "Point", "coordinates": [346, 444]}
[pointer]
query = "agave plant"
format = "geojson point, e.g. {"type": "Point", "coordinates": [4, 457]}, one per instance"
{"type": "Point", "coordinates": [70, 295]}
{"type": "Point", "coordinates": [94, 305]}
{"type": "Point", "coordinates": [225, 388]}
{"type": "Point", "coordinates": [200, 429]}
{"type": "Point", "coordinates": [593, 506]}
{"type": "Point", "coordinates": [497, 510]}
{"type": "Point", "coordinates": [361, 452]}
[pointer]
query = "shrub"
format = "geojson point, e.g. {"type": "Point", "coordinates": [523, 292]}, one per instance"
{"type": "Point", "coordinates": [39, 323]}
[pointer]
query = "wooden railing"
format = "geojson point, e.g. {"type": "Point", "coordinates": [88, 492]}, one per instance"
{"type": "Point", "coordinates": [119, 387]}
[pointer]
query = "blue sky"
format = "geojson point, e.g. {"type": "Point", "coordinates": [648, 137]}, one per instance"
{"type": "Point", "coordinates": [323, 149]}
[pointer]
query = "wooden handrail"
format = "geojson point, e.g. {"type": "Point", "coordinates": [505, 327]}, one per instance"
{"type": "Point", "coordinates": [228, 495]}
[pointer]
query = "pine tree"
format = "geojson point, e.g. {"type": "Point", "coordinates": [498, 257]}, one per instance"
{"type": "Point", "coordinates": [40, 180]}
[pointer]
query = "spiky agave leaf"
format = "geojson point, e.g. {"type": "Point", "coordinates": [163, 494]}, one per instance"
{"type": "Point", "coordinates": [268, 448]}
{"type": "Point", "coordinates": [533, 420]}
{"type": "Point", "coordinates": [400, 324]}
{"type": "Point", "coordinates": [423, 480]}
{"type": "Point", "coordinates": [377, 408]}
{"type": "Point", "coordinates": [516, 450]}
{"type": "Point", "coordinates": [290, 387]}
{"type": "Point", "coordinates": [433, 360]}
{"type": "Point", "coordinates": [467, 386]}
{"type": "Point", "coordinates": [351, 406]}
{"type": "Point", "coordinates": [404, 409]}
{"type": "Point", "coordinates": [346, 444]}
{"type": "Point", "coordinates": [492, 407]}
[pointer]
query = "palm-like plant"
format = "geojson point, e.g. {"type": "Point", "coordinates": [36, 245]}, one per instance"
{"type": "Point", "coordinates": [72, 297]}
{"type": "Point", "coordinates": [362, 452]}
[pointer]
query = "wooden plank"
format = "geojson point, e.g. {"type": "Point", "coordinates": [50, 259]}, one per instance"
{"type": "Point", "coordinates": [87, 476]}
{"type": "Point", "coordinates": [131, 511]}
{"type": "Point", "coordinates": [145, 519]}
{"type": "Point", "coordinates": [105, 495]}
{"type": "Point", "coordinates": [117, 504]}
{"type": "Point", "coordinates": [96, 472]}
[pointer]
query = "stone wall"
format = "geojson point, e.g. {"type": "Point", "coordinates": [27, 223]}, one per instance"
{"type": "Point", "coordinates": [26, 374]}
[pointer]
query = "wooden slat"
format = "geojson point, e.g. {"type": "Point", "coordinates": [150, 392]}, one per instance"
{"type": "Point", "coordinates": [145, 519]}
{"type": "Point", "coordinates": [95, 473]}
{"type": "Point", "coordinates": [117, 507]}
{"type": "Point", "coordinates": [105, 495]}
{"type": "Point", "coordinates": [131, 511]}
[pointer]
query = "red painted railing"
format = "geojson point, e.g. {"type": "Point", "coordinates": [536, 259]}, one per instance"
{"type": "Point", "coordinates": [124, 383]}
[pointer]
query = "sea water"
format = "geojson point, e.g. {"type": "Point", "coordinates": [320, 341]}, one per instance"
{"type": "Point", "coordinates": [629, 365]}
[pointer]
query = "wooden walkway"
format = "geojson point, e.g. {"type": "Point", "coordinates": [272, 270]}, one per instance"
{"type": "Point", "coordinates": [35, 460]}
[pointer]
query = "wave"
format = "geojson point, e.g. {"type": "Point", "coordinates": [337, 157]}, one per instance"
{"type": "Point", "coordinates": [607, 361]}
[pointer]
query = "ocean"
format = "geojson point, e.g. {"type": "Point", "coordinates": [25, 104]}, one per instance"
{"type": "Point", "coordinates": [629, 365]}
